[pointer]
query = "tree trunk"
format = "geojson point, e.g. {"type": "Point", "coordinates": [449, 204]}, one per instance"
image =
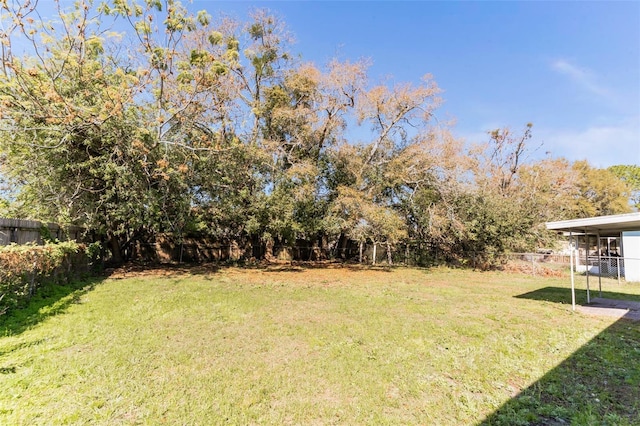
{"type": "Point", "coordinates": [324, 246]}
{"type": "Point", "coordinates": [341, 246]}
{"type": "Point", "coordinates": [361, 244]}
{"type": "Point", "coordinates": [268, 252]}
{"type": "Point", "coordinates": [375, 249]}
{"type": "Point", "coordinates": [389, 260]}
{"type": "Point", "coordinates": [116, 250]}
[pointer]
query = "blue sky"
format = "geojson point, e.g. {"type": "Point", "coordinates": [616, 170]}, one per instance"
{"type": "Point", "coordinates": [570, 68]}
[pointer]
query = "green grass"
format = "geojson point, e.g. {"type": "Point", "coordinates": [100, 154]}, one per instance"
{"type": "Point", "coordinates": [319, 346]}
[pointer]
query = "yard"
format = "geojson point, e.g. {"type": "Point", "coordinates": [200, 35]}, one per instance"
{"type": "Point", "coordinates": [330, 345]}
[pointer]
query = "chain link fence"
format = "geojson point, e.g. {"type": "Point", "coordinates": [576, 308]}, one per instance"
{"type": "Point", "coordinates": [612, 267]}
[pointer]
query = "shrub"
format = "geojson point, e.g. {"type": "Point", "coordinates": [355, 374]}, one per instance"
{"type": "Point", "coordinates": [25, 268]}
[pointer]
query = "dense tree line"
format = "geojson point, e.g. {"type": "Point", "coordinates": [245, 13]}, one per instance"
{"type": "Point", "coordinates": [134, 119]}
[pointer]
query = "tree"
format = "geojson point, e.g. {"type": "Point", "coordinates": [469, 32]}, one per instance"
{"type": "Point", "coordinates": [367, 179]}
{"type": "Point", "coordinates": [302, 118]}
{"type": "Point", "coordinates": [497, 162]}
{"type": "Point", "coordinates": [159, 141]}
{"type": "Point", "coordinates": [496, 209]}
{"type": "Point", "coordinates": [601, 192]}
{"type": "Point", "coordinates": [630, 174]}
{"type": "Point", "coordinates": [96, 137]}
{"type": "Point", "coordinates": [422, 182]}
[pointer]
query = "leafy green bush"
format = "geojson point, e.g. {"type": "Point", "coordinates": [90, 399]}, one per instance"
{"type": "Point", "coordinates": [25, 268]}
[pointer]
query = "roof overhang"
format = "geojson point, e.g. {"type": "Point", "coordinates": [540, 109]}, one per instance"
{"type": "Point", "coordinates": [602, 225]}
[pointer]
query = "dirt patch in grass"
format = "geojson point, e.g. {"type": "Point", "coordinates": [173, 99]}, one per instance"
{"type": "Point", "coordinates": [536, 269]}
{"type": "Point", "coordinates": [136, 270]}
{"type": "Point", "coordinates": [133, 270]}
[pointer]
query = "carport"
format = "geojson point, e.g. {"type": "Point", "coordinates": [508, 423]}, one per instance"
{"type": "Point", "coordinates": [623, 226]}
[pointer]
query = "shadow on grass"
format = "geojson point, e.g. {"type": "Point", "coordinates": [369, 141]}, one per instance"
{"type": "Point", "coordinates": [563, 295]}
{"type": "Point", "coordinates": [597, 384]}
{"type": "Point", "coordinates": [49, 300]}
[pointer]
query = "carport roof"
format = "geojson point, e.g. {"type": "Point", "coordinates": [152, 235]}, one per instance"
{"type": "Point", "coordinates": [603, 225]}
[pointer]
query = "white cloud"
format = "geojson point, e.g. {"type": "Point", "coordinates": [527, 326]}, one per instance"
{"type": "Point", "coordinates": [582, 77]}
{"type": "Point", "coordinates": [602, 145]}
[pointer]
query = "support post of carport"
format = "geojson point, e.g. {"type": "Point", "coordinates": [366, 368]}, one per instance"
{"type": "Point", "coordinates": [620, 251]}
{"type": "Point", "coordinates": [599, 265]}
{"type": "Point", "coordinates": [573, 283]}
{"type": "Point", "coordinates": [618, 268]}
{"type": "Point", "coordinates": [586, 263]}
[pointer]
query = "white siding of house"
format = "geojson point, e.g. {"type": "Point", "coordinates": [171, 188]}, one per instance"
{"type": "Point", "coordinates": [631, 249]}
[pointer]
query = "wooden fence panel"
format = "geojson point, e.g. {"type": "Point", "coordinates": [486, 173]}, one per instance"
{"type": "Point", "coordinates": [21, 231]}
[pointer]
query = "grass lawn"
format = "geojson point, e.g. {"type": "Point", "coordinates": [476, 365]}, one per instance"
{"type": "Point", "coordinates": [319, 346]}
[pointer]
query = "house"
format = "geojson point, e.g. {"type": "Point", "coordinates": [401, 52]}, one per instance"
{"type": "Point", "coordinates": [602, 230]}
